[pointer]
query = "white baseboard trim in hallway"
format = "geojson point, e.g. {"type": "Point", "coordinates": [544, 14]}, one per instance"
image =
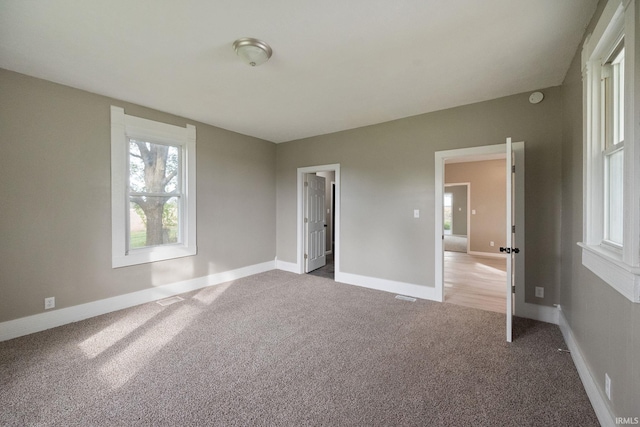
{"type": "Point", "coordinates": [597, 398]}
{"type": "Point", "coordinates": [51, 319]}
{"type": "Point", "coordinates": [487, 254]}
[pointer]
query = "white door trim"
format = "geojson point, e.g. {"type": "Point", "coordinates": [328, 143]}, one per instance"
{"type": "Point", "coordinates": [300, 214]}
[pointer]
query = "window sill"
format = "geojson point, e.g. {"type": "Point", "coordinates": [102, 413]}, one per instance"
{"type": "Point", "coordinates": [608, 265]}
{"type": "Point", "coordinates": [158, 253]}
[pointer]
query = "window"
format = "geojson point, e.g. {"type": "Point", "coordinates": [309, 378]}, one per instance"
{"type": "Point", "coordinates": [611, 160]}
{"type": "Point", "coordinates": [612, 83]}
{"type": "Point", "coordinates": [152, 190]}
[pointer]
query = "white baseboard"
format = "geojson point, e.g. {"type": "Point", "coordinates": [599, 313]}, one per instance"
{"type": "Point", "coordinates": [487, 254]}
{"type": "Point", "coordinates": [543, 313]}
{"type": "Point", "coordinates": [291, 267]}
{"type": "Point", "coordinates": [51, 319]}
{"type": "Point", "coordinates": [401, 288]}
{"type": "Point", "coordinates": [595, 393]}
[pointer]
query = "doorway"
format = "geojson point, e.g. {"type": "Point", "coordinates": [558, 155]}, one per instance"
{"type": "Point", "coordinates": [474, 269]}
{"type": "Point", "coordinates": [325, 268]}
{"type": "Point", "coordinates": [483, 256]}
{"type": "Point", "coordinates": [331, 175]}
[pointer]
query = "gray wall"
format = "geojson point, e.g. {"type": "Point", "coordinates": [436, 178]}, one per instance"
{"type": "Point", "coordinates": [605, 324]}
{"type": "Point", "coordinates": [458, 208]}
{"type": "Point", "coordinates": [387, 171]}
{"type": "Point", "coordinates": [55, 200]}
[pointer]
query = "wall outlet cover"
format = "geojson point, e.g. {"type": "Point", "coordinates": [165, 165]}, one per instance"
{"type": "Point", "coordinates": [49, 303]}
{"type": "Point", "coordinates": [539, 292]}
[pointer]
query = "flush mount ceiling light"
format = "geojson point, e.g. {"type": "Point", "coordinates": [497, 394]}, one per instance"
{"type": "Point", "coordinates": [252, 51]}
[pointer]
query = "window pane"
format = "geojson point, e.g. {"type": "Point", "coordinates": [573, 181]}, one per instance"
{"type": "Point", "coordinates": [153, 221]}
{"type": "Point", "coordinates": [153, 168]}
{"type": "Point", "coordinates": [614, 191]}
{"type": "Point", "coordinates": [618, 97]}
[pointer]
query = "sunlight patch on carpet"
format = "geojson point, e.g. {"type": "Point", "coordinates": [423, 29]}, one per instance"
{"type": "Point", "coordinates": [118, 370]}
{"type": "Point", "coordinates": [97, 343]}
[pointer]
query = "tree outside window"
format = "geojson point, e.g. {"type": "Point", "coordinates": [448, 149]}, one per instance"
{"type": "Point", "coordinates": [154, 194]}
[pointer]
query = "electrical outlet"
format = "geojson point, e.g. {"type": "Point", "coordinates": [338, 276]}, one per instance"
{"type": "Point", "coordinates": [49, 303]}
{"type": "Point", "coordinates": [539, 292]}
{"type": "Point", "coordinates": [607, 385]}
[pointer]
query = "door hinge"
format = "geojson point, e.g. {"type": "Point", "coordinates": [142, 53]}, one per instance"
{"type": "Point", "coordinates": [306, 184]}
{"type": "Point", "coordinates": [513, 168]}
{"type": "Point", "coordinates": [513, 289]}
{"type": "Point", "coordinates": [305, 256]}
{"type": "Point", "coordinates": [306, 220]}
{"type": "Point", "coordinates": [513, 228]}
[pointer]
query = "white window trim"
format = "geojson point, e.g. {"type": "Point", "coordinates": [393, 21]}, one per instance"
{"type": "Point", "coordinates": [122, 127]}
{"type": "Point", "coordinates": [620, 269]}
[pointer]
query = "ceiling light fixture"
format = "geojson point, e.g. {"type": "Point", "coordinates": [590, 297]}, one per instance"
{"type": "Point", "coordinates": [252, 51]}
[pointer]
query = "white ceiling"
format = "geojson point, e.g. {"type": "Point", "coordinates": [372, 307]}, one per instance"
{"type": "Point", "coordinates": [336, 64]}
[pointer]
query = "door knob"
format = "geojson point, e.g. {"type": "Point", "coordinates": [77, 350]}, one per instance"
{"type": "Point", "coordinates": [509, 250]}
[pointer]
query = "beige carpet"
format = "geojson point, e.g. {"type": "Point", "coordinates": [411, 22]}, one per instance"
{"type": "Point", "coordinates": [282, 349]}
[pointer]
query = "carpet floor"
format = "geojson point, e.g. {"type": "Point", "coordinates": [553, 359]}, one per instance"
{"type": "Point", "coordinates": [281, 349]}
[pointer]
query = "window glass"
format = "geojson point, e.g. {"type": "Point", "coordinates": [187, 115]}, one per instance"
{"type": "Point", "coordinates": [614, 200]}
{"type": "Point", "coordinates": [613, 72]}
{"type": "Point", "coordinates": [154, 194]}
{"type": "Point", "coordinates": [618, 97]}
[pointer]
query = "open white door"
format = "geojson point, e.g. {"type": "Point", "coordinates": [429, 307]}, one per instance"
{"type": "Point", "coordinates": [509, 249]}
{"type": "Point", "coordinates": [314, 217]}
{"type": "Point", "coordinates": [509, 240]}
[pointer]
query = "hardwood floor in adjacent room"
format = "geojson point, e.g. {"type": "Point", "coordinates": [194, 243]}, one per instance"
{"type": "Point", "coordinates": [473, 281]}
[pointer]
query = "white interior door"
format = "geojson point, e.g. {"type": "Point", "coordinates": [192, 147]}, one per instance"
{"type": "Point", "coordinates": [510, 170]}
{"type": "Point", "coordinates": [314, 217]}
